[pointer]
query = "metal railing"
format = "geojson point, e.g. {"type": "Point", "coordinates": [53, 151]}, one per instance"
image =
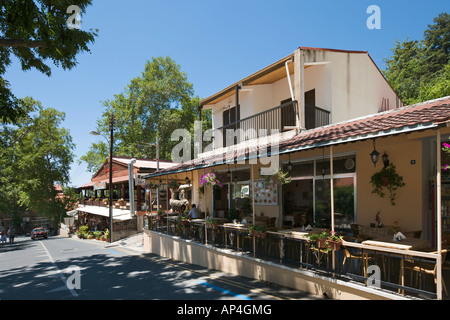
{"type": "Point", "coordinates": [316, 117]}
{"type": "Point", "coordinates": [265, 123]}
{"type": "Point", "coordinates": [388, 270]}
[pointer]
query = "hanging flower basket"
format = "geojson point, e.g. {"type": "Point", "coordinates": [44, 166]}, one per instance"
{"type": "Point", "coordinates": [174, 184]}
{"type": "Point", "coordinates": [211, 179]}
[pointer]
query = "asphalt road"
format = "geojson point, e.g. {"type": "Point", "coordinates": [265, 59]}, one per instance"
{"type": "Point", "coordinates": [71, 269]}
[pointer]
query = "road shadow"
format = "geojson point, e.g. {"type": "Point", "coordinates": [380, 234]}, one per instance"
{"type": "Point", "coordinates": [112, 276]}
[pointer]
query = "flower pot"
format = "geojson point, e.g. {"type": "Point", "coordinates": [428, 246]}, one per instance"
{"type": "Point", "coordinates": [214, 226]}
{"type": "Point", "coordinates": [328, 244]}
{"type": "Point", "coordinates": [385, 181]}
{"type": "Point", "coordinates": [257, 234]}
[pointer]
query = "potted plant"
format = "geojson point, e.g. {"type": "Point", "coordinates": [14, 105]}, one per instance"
{"type": "Point", "coordinates": [257, 231]}
{"type": "Point", "coordinates": [97, 234]}
{"type": "Point", "coordinates": [106, 235]}
{"type": "Point", "coordinates": [387, 178]}
{"type": "Point", "coordinates": [159, 214]}
{"type": "Point", "coordinates": [211, 223]}
{"type": "Point", "coordinates": [325, 241]}
{"type": "Point", "coordinates": [121, 202]}
{"type": "Point", "coordinates": [278, 177]}
{"type": "Point", "coordinates": [173, 184]}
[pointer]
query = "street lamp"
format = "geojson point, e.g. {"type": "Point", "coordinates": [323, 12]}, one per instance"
{"type": "Point", "coordinates": [111, 143]}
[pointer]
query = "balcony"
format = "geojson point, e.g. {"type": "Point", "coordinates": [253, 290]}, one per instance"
{"type": "Point", "coordinates": [272, 121]}
{"type": "Point", "coordinates": [316, 117]}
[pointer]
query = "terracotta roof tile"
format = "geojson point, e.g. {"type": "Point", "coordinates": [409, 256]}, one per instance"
{"type": "Point", "coordinates": [388, 122]}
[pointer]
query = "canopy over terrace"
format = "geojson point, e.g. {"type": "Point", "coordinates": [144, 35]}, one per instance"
{"type": "Point", "coordinates": [423, 116]}
{"type": "Point", "coordinates": [118, 214]}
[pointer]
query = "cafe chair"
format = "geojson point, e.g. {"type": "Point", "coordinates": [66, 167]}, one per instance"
{"type": "Point", "coordinates": [428, 268]}
{"type": "Point", "coordinates": [348, 253]}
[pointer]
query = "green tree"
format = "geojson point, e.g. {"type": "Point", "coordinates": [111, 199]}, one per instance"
{"type": "Point", "coordinates": [418, 70]}
{"type": "Point", "coordinates": [36, 32]}
{"type": "Point", "coordinates": [36, 155]}
{"type": "Point", "coordinates": [154, 104]}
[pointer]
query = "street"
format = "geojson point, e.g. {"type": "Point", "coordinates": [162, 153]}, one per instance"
{"type": "Point", "coordinates": [72, 269]}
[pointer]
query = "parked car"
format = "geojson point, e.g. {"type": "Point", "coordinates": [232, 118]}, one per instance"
{"type": "Point", "coordinates": [39, 233]}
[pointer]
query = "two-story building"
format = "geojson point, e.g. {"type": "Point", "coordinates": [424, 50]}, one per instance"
{"type": "Point", "coordinates": [330, 120]}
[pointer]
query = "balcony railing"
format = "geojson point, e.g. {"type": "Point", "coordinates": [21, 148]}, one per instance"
{"type": "Point", "coordinates": [266, 123]}
{"type": "Point", "coordinates": [316, 117]}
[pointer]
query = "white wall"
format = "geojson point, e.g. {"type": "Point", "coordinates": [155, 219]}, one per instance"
{"type": "Point", "coordinates": [346, 83]}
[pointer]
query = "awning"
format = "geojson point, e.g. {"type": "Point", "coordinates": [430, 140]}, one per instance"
{"type": "Point", "coordinates": [118, 214]}
{"type": "Point", "coordinates": [423, 116]}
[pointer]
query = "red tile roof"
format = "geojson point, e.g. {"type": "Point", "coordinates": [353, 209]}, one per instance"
{"type": "Point", "coordinates": [416, 117]}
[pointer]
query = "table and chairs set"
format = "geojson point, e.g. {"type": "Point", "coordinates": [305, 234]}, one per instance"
{"type": "Point", "coordinates": [404, 265]}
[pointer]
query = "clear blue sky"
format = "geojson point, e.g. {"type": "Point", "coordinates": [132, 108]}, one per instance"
{"type": "Point", "coordinates": [215, 42]}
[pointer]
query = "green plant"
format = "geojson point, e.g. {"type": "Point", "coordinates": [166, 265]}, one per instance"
{"type": "Point", "coordinates": [278, 177]}
{"type": "Point", "coordinates": [387, 178]}
{"type": "Point", "coordinates": [97, 234]}
{"type": "Point", "coordinates": [256, 228]}
{"type": "Point", "coordinates": [106, 235]}
{"type": "Point", "coordinates": [174, 184]}
{"type": "Point", "coordinates": [325, 237]}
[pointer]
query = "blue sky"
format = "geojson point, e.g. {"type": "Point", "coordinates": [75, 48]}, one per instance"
{"type": "Point", "coordinates": [215, 42]}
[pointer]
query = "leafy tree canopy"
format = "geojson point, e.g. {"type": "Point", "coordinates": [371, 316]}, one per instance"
{"type": "Point", "coordinates": [36, 32]}
{"type": "Point", "coordinates": [36, 154]}
{"type": "Point", "coordinates": [154, 104]}
{"type": "Point", "coordinates": [419, 70]}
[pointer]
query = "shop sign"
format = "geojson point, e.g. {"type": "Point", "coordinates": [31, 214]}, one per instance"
{"type": "Point", "coordinates": [139, 179]}
{"type": "Point", "coordinates": [100, 186]}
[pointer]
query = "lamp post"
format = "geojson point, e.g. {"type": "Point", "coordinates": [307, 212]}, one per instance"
{"type": "Point", "coordinates": [111, 143]}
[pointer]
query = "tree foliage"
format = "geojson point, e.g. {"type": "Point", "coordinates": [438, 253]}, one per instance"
{"type": "Point", "coordinates": [36, 154]}
{"type": "Point", "coordinates": [419, 70]}
{"type": "Point", "coordinates": [36, 32]}
{"type": "Point", "coordinates": [154, 104]}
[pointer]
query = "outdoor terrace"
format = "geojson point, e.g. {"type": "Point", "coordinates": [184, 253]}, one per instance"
{"type": "Point", "coordinates": [396, 269]}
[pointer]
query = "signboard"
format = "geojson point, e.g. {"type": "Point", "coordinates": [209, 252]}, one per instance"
{"type": "Point", "coordinates": [100, 186]}
{"type": "Point", "coordinates": [265, 194]}
{"type": "Point", "coordinates": [139, 179]}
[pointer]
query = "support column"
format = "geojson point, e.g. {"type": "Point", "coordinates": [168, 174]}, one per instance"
{"type": "Point", "coordinates": [299, 89]}
{"type": "Point", "coordinates": [438, 217]}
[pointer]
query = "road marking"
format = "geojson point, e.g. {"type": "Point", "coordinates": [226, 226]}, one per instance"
{"type": "Point", "coordinates": [212, 277]}
{"type": "Point", "coordinates": [61, 274]}
{"type": "Point", "coordinates": [239, 296]}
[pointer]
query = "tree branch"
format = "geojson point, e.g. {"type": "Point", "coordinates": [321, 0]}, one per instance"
{"type": "Point", "coordinates": [22, 43]}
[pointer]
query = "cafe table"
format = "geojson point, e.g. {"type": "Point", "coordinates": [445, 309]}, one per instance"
{"type": "Point", "coordinates": [409, 243]}
{"type": "Point", "coordinates": [300, 232]}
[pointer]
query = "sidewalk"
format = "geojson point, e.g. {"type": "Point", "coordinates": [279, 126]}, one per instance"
{"type": "Point", "coordinates": [134, 242]}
